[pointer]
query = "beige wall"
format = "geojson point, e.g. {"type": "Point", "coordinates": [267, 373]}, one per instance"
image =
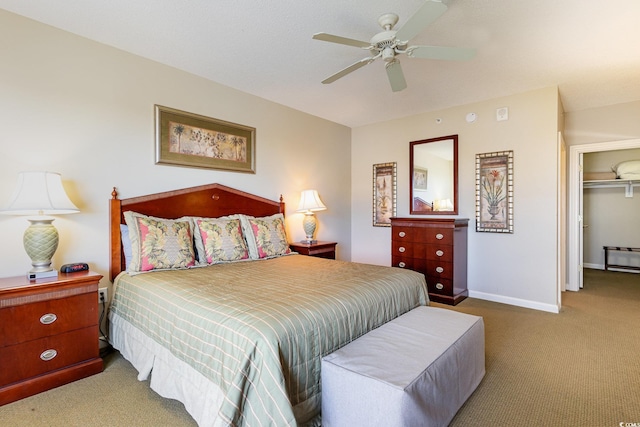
{"type": "Point", "coordinates": [603, 124]}
{"type": "Point", "coordinates": [518, 268]}
{"type": "Point", "coordinates": [86, 110]}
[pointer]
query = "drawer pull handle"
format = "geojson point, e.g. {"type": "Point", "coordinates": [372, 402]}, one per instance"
{"type": "Point", "coordinates": [402, 234]}
{"type": "Point", "coordinates": [401, 249]}
{"type": "Point", "coordinates": [439, 269]}
{"type": "Point", "coordinates": [48, 318]}
{"type": "Point", "coordinates": [439, 236]}
{"type": "Point", "coordinates": [439, 252]}
{"type": "Point", "coordinates": [439, 286]}
{"type": "Point", "coordinates": [402, 265]}
{"type": "Point", "coordinates": [48, 354]}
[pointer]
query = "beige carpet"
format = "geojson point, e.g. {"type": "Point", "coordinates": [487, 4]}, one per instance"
{"type": "Point", "coordinates": [577, 368]}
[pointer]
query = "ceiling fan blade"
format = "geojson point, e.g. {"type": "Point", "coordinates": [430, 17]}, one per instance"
{"type": "Point", "coordinates": [441, 52]}
{"type": "Point", "coordinates": [351, 68]}
{"type": "Point", "coordinates": [429, 12]}
{"type": "Point", "coordinates": [396, 76]}
{"type": "Point", "coordinates": [341, 40]}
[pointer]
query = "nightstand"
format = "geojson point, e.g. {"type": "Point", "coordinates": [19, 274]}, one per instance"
{"type": "Point", "coordinates": [317, 249]}
{"type": "Point", "coordinates": [48, 333]}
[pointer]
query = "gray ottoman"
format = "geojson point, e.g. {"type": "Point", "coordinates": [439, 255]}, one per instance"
{"type": "Point", "coordinates": [416, 370]}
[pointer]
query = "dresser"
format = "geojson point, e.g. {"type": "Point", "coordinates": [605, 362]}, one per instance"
{"type": "Point", "coordinates": [48, 333]}
{"type": "Point", "coordinates": [436, 247]}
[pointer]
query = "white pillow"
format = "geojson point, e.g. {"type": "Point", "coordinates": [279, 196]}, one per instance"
{"type": "Point", "coordinates": [126, 244]}
{"type": "Point", "coordinates": [628, 170]}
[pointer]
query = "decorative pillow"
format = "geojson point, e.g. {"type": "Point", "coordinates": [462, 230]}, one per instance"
{"type": "Point", "coordinates": [221, 240]}
{"type": "Point", "coordinates": [158, 243]}
{"type": "Point", "coordinates": [266, 236]}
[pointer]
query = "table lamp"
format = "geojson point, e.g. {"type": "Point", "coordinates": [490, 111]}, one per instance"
{"type": "Point", "coordinates": [39, 194]}
{"type": "Point", "coordinates": [309, 203]}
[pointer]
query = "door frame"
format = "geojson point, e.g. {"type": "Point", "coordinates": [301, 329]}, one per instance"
{"type": "Point", "coordinates": [575, 262]}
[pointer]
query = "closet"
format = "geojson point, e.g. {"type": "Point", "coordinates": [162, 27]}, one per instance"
{"type": "Point", "coordinates": [611, 208]}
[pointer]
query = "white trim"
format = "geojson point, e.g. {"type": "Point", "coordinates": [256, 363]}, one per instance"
{"type": "Point", "coordinates": [575, 189]}
{"type": "Point", "coordinates": [515, 301]}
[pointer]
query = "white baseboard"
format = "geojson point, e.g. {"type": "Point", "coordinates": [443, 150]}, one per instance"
{"type": "Point", "coordinates": [594, 266]}
{"type": "Point", "coordinates": [515, 301]}
{"type": "Point", "coordinates": [601, 267]}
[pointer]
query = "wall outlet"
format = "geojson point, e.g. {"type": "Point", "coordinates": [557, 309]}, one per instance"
{"type": "Point", "coordinates": [103, 293]}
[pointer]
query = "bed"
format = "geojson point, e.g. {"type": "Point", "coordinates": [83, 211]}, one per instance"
{"type": "Point", "coordinates": [238, 340]}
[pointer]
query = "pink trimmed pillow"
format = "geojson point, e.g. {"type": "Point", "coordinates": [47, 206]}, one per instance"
{"type": "Point", "coordinates": [222, 240]}
{"type": "Point", "coordinates": [158, 243]}
{"type": "Point", "coordinates": [269, 236]}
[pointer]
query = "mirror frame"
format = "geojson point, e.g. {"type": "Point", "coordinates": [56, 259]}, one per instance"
{"type": "Point", "coordinates": [412, 144]}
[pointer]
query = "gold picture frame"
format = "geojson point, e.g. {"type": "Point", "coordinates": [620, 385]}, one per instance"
{"type": "Point", "coordinates": [187, 139]}
{"type": "Point", "coordinates": [384, 193]}
{"type": "Point", "coordinates": [494, 192]}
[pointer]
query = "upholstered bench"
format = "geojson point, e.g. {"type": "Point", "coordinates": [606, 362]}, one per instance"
{"type": "Point", "coordinates": [416, 370]}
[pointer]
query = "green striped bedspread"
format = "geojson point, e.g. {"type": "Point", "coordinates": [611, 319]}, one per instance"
{"type": "Point", "coordinates": [259, 329]}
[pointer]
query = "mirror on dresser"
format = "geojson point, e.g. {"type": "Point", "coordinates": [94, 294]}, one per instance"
{"type": "Point", "coordinates": [433, 185]}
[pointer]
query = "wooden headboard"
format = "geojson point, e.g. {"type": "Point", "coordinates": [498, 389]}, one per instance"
{"type": "Point", "coordinates": [212, 200]}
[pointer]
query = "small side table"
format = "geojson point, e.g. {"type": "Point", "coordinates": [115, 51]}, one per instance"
{"type": "Point", "coordinates": [318, 249]}
{"type": "Point", "coordinates": [48, 333]}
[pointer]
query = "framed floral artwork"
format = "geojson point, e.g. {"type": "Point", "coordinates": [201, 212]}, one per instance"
{"type": "Point", "coordinates": [494, 192]}
{"type": "Point", "coordinates": [419, 178]}
{"type": "Point", "coordinates": [187, 139]}
{"type": "Point", "coordinates": [384, 193]}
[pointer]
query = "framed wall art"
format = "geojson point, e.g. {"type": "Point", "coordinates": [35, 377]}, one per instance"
{"type": "Point", "coordinates": [494, 192]}
{"type": "Point", "coordinates": [384, 193]}
{"type": "Point", "coordinates": [186, 139]}
{"type": "Point", "coordinates": [419, 178]}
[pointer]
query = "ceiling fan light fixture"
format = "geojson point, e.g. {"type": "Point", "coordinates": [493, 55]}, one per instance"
{"type": "Point", "coordinates": [388, 54]}
{"type": "Point", "coordinates": [390, 43]}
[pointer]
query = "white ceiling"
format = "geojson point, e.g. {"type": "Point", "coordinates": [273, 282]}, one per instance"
{"type": "Point", "coordinates": [590, 49]}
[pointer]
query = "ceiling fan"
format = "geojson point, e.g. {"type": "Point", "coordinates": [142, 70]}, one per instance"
{"type": "Point", "coordinates": [390, 43]}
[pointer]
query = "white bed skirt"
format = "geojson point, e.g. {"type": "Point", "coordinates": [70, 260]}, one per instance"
{"type": "Point", "coordinates": [171, 377]}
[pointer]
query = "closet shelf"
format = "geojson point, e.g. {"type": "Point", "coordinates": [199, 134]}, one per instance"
{"type": "Point", "coordinates": [627, 184]}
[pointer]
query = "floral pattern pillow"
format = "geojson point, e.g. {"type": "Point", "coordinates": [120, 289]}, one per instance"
{"type": "Point", "coordinates": [158, 243]}
{"type": "Point", "coordinates": [222, 240]}
{"type": "Point", "coordinates": [269, 236]}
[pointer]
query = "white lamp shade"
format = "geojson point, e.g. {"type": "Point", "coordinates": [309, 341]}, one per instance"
{"type": "Point", "coordinates": [310, 202]}
{"type": "Point", "coordinates": [39, 193]}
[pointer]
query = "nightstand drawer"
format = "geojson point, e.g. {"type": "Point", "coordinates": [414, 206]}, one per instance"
{"type": "Point", "coordinates": [37, 357]}
{"type": "Point", "coordinates": [317, 249]}
{"type": "Point", "coordinates": [41, 319]}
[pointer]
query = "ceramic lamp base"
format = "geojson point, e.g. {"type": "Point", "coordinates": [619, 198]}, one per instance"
{"type": "Point", "coordinates": [309, 225]}
{"type": "Point", "coordinates": [40, 242]}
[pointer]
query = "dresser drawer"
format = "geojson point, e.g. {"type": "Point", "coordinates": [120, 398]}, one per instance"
{"type": "Point", "coordinates": [442, 253]}
{"type": "Point", "coordinates": [438, 235]}
{"type": "Point", "coordinates": [439, 286]}
{"type": "Point", "coordinates": [27, 322]}
{"type": "Point", "coordinates": [439, 269]}
{"type": "Point", "coordinates": [416, 264]}
{"type": "Point", "coordinates": [37, 357]}
{"type": "Point", "coordinates": [406, 234]}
